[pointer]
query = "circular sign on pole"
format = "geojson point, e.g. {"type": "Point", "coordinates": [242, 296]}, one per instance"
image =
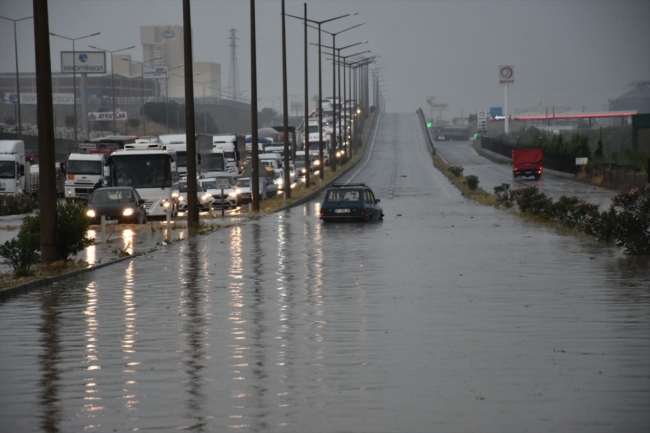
{"type": "Point", "coordinates": [506, 74]}
{"type": "Point", "coordinates": [83, 58]}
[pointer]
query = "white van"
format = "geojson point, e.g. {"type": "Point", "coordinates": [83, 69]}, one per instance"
{"type": "Point", "coordinates": [274, 159]}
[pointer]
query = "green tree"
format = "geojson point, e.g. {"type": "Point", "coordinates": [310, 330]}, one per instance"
{"type": "Point", "coordinates": [267, 116]}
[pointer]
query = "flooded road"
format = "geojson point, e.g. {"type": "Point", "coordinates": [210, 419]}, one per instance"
{"type": "Point", "coordinates": [447, 316]}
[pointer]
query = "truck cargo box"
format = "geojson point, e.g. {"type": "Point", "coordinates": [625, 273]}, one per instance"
{"type": "Point", "coordinates": [527, 162]}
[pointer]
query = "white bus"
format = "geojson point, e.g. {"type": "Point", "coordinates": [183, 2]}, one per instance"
{"type": "Point", "coordinates": [150, 170]}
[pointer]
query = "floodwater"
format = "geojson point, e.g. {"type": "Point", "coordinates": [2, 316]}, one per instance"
{"type": "Point", "coordinates": [447, 317]}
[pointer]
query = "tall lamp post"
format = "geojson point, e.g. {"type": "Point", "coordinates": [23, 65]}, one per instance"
{"type": "Point", "coordinates": [144, 116]}
{"type": "Point", "coordinates": [74, 75]}
{"type": "Point", "coordinates": [205, 120]}
{"type": "Point", "coordinates": [336, 53]}
{"type": "Point", "coordinates": [320, 85]}
{"type": "Point", "coordinates": [346, 126]}
{"type": "Point", "coordinates": [20, 125]}
{"type": "Point", "coordinates": [333, 34]}
{"type": "Point", "coordinates": [182, 76]}
{"type": "Point", "coordinates": [113, 77]}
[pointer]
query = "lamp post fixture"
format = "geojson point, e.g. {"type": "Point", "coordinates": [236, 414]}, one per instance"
{"type": "Point", "coordinates": [336, 53]}
{"type": "Point", "coordinates": [74, 76]}
{"type": "Point", "coordinates": [20, 125]}
{"type": "Point", "coordinates": [113, 78]}
{"type": "Point", "coordinates": [183, 76]}
{"type": "Point", "coordinates": [144, 116]}
{"type": "Point", "coordinates": [347, 126]}
{"type": "Point", "coordinates": [334, 142]}
{"type": "Point", "coordinates": [320, 86]}
{"type": "Point", "coordinates": [205, 121]}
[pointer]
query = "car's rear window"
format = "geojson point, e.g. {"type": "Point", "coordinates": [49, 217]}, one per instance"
{"type": "Point", "coordinates": [339, 195]}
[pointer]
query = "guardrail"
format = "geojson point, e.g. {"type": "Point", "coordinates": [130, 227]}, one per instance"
{"type": "Point", "coordinates": [427, 135]}
{"type": "Point", "coordinates": [552, 161]}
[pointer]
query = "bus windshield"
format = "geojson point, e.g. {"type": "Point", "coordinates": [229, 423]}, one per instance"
{"type": "Point", "coordinates": [144, 171]}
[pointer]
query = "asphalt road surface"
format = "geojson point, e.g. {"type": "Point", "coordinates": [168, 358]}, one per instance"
{"type": "Point", "coordinates": [445, 317]}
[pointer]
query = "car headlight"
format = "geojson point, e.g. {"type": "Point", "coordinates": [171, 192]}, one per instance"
{"type": "Point", "coordinates": [232, 194]}
{"type": "Point", "coordinates": [127, 212]}
{"type": "Point", "coordinates": [303, 170]}
{"type": "Point", "coordinates": [91, 213]}
{"type": "Point", "coordinates": [166, 204]}
{"type": "Point", "coordinates": [237, 191]}
{"type": "Point", "coordinates": [174, 195]}
{"type": "Point", "coordinates": [316, 163]}
{"type": "Point", "coordinates": [181, 198]}
{"type": "Point", "coordinates": [206, 197]}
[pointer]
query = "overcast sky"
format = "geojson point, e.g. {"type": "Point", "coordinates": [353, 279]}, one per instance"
{"type": "Point", "coordinates": [566, 53]}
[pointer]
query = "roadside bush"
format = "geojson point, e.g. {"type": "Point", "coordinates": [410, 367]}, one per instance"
{"type": "Point", "coordinates": [17, 204]}
{"type": "Point", "coordinates": [23, 251]}
{"type": "Point", "coordinates": [456, 170]}
{"type": "Point", "coordinates": [504, 195]}
{"type": "Point", "coordinates": [632, 231]}
{"type": "Point", "coordinates": [71, 227]}
{"type": "Point", "coordinates": [626, 223]}
{"type": "Point", "coordinates": [472, 181]}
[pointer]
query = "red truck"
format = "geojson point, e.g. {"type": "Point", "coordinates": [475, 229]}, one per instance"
{"type": "Point", "coordinates": [527, 162]}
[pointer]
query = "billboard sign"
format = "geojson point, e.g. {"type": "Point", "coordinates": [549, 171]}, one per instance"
{"type": "Point", "coordinates": [496, 111]}
{"type": "Point", "coordinates": [155, 72]}
{"type": "Point", "coordinates": [481, 120]}
{"type": "Point", "coordinates": [83, 62]}
{"type": "Point", "coordinates": [30, 98]}
{"type": "Point", "coordinates": [506, 74]}
{"type": "Point", "coordinates": [106, 116]}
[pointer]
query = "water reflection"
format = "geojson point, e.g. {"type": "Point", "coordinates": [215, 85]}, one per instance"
{"type": "Point", "coordinates": [48, 360]}
{"type": "Point", "coordinates": [91, 251]}
{"type": "Point", "coordinates": [92, 400]}
{"type": "Point", "coordinates": [128, 340]}
{"type": "Point", "coordinates": [128, 237]}
{"type": "Point", "coordinates": [193, 331]}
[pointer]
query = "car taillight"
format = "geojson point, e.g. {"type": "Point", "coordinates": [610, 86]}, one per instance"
{"type": "Point", "coordinates": [322, 212]}
{"type": "Point", "coordinates": [363, 211]}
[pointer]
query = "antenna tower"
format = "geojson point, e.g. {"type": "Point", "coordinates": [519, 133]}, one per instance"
{"type": "Point", "coordinates": [233, 74]}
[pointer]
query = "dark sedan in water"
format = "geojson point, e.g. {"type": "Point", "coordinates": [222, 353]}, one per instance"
{"type": "Point", "coordinates": [119, 205]}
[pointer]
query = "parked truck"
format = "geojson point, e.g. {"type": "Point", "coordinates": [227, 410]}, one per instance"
{"type": "Point", "coordinates": [527, 162]}
{"type": "Point", "coordinates": [15, 174]}
{"type": "Point", "coordinates": [85, 172]}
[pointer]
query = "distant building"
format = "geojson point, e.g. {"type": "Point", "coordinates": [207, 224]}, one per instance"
{"type": "Point", "coordinates": [636, 99]}
{"type": "Point", "coordinates": [163, 45]}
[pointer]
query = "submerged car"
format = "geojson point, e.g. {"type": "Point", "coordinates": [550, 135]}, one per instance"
{"type": "Point", "coordinates": [119, 205]}
{"type": "Point", "coordinates": [179, 194]}
{"type": "Point", "coordinates": [350, 202]}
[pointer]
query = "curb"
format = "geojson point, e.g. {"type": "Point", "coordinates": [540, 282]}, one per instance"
{"type": "Point", "coordinates": [10, 292]}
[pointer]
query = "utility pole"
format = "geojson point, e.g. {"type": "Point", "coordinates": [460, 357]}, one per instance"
{"type": "Point", "coordinates": [47, 175]}
{"type": "Point", "coordinates": [190, 133]}
{"type": "Point", "coordinates": [285, 111]}
{"type": "Point", "coordinates": [255, 175]}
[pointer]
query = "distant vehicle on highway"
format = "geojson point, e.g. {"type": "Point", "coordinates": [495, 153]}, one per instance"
{"type": "Point", "coordinates": [527, 162]}
{"type": "Point", "coordinates": [224, 183]}
{"type": "Point", "coordinates": [179, 193]}
{"type": "Point", "coordinates": [119, 205]}
{"type": "Point", "coordinates": [350, 202]}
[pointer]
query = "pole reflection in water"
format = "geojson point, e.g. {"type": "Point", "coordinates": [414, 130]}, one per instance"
{"type": "Point", "coordinates": [286, 292]}
{"type": "Point", "coordinates": [258, 333]}
{"type": "Point", "coordinates": [193, 330]}
{"type": "Point", "coordinates": [128, 340]}
{"type": "Point", "coordinates": [237, 321]}
{"type": "Point", "coordinates": [127, 236]}
{"type": "Point", "coordinates": [49, 361]}
{"type": "Point", "coordinates": [92, 400]}
{"type": "Point", "coordinates": [91, 251]}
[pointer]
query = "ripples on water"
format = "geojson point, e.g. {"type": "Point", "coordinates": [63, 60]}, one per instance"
{"type": "Point", "coordinates": [396, 327]}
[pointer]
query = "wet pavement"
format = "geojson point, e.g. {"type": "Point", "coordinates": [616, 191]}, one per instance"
{"type": "Point", "coordinates": [554, 184]}
{"type": "Point", "coordinates": [447, 316]}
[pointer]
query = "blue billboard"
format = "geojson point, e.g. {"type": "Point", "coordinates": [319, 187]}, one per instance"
{"type": "Point", "coordinates": [496, 111]}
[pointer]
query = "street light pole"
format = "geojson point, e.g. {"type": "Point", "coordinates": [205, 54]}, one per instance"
{"type": "Point", "coordinates": [113, 78]}
{"type": "Point", "coordinates": [144, 115]}
{"type": "Point", "coordinates": [74, 76]}
{"type": "Point", "coordinates": [285, 114]}
{"type": "Point", "coordinates": [18, 116]}
{"type": "Point", "coordinates": [333, 150]}
{"type": "Point", "coordinates": [320, 86]}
